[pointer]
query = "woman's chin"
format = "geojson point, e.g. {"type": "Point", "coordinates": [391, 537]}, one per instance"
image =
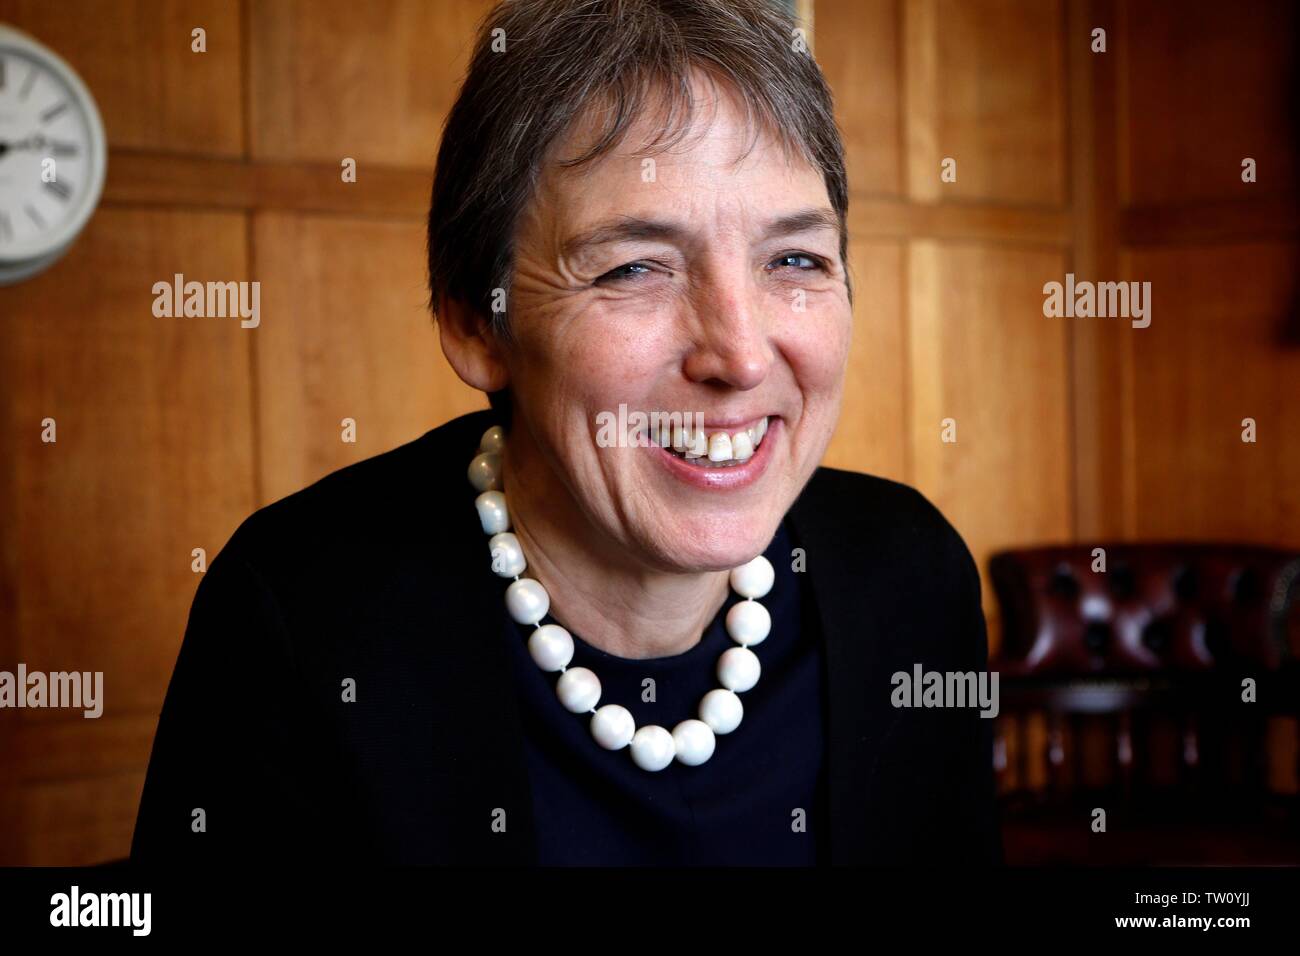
{"type": "Point", "coordinates": [689, 553]}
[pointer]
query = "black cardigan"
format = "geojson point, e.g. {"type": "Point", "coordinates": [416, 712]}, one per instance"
{"type": "Point", "coordinates": [373, 575]}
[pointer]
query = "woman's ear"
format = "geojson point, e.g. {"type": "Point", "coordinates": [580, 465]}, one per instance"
{"type": "Point", "coordinates": [471, 346]}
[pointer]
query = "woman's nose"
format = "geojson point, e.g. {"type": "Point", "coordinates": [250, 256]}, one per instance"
{"type": "Point", "coordinates": [730, 342]}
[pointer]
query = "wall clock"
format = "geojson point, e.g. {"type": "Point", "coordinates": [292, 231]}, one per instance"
{"type": "Point", "coordinates": [52, 156]}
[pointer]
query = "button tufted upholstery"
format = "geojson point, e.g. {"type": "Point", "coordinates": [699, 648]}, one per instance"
{"type": "Point", "coordinates": [1156, 608]}
{"type": "Point", "coordinates": [1123, 689]}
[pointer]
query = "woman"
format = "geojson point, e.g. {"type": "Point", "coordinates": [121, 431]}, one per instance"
{"type": "Point", "coordinates": [611, 645]}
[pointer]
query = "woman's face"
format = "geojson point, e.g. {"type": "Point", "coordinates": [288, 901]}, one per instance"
{"type": "Point", "coordinates": [688, 281]}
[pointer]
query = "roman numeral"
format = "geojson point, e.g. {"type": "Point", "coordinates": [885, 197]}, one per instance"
{"type": "Point", "coordinates": [2, 74]}
{"type": "Point", "coordinates": [53, 111]}
{"type": "Point", "coordinates": [60, 189]}
{"type": "Point", "coordinates": [63, 149]}
{"type": "Point", "coordinates": [34, 215]}
{"type": "Point", "coordinates": [6, 227]}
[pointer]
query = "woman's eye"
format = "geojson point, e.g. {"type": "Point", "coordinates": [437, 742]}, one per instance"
{"type": "Point", "coordinates": [796, 260]}
{"type": "Point", "coordinates": [623, 272]}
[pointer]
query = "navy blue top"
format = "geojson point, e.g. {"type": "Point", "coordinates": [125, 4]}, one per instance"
{"type": "Point", "coordinates": [740, 807]}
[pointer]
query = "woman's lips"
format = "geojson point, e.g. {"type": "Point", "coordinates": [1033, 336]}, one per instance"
{"type": "Point", "coordinates": [726, 477]}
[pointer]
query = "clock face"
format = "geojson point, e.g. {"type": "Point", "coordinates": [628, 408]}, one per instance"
{"type": "Point", "coordinates": [51, 152]}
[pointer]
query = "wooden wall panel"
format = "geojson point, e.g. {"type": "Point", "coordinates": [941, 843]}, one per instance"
{"type": "Point", "coordinates": [153, 451]}
{"type": "Point", "coordinates": [346, 334]}
{"type": "Point", "coordinates": [153, 458]}
{"type": "Point", "coordinates": [1208, 83]}
{"type": "Point", "coordinates": [982, 353]}
{"type": "Point", "coordinates": [1099, 400]}
{"type": "Point", "coordinates": [1001, 117]}
{"type": "Point", "coordinates": [136, 58]}
{"type": "Point", "coordinates": [335, 78]}
{"type": "Point", "coordinates": [78, 821]}
{"type": "Point", "coordinates": [1212, 356]}
{"type": "Point", "coordinates": [872, 435]}
{"type": "Point", "coordinates": [857, 49]}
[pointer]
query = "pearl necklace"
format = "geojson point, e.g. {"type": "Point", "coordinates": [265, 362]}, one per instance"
{"type": "Point", "coordinates": [692, 741]}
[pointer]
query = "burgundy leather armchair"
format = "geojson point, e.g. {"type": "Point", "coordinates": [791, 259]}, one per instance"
{"type": "Point", "coordinates": [1161, 685]}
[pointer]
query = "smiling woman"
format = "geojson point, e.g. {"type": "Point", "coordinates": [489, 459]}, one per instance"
{"type": "Point", "coordinates": [638, 205]}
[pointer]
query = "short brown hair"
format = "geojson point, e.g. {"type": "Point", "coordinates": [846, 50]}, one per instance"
{"type": "Point", "coordinates": [540, 64]}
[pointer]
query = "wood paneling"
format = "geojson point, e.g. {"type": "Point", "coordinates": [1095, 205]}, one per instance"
{"type": "Point", "coordinates": [921, 133]}
{"type": "Point", "coordinates": [1207, 85]}
{"type": "Point", "coordinates": [1212, 356]}
{"type": "Point", "coordinates": [153, 458]}
{"type": "Point", "coordinates": [1001, 117]}
{"type": "Point", "coordinates": [858, 52]}
{"type": "Point", "coordinates": [153, 452]}
{"type": "Point", "coordinates": [346, 333]}
{"type": "Point", "coordinates": [1098, 397]}
{"type": "Point", "coordinates": [135, 56]}
{"type": "Point", "coordinates": [981, 222]}
{"type": "Point", "coordinates": [373, 81]}
{"type": "Point", "coordinates": [871, 435]}
{"type": "Point", "coordinates": [78, 821]}
{"type": "Point", "coordinates": [69, 788]}
{"type": "Point", "coordinates": [1239, 220]}
{"type": "Point", "coordinates": [57, 750]}
{"type": "Point", "coordinates": [982, 353]}
{"type": "Point", "coordinates": [148, 179]}
{"type": "Point", "coordinates": [151, 179]}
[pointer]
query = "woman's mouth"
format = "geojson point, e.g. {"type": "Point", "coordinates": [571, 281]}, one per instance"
{"type": "Point", "coordinates": [716, 458]}
{"type": "Point", "coordinates": [712, 447]}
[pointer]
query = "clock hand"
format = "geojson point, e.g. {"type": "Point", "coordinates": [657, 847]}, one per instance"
{"type": "Point", "coordinates": [35, 142]}
{"type": "Point", "coordinates": [14, 146]}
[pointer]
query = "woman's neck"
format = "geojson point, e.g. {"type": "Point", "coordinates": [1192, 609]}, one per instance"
{"type": "Point", "coordinates": [597, 592]}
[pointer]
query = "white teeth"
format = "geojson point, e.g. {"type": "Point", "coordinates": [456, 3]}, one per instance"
{"type": "Point", "coordinates": [719, 449]}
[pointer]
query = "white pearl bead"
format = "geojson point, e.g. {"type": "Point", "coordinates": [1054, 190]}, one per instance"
{"type": "Point", "coordinates": [578, 690]}
{"type": "Point", "coordinates": [492, 512]}
{"type": "Point", "coordinates": [485, 472]}
{"type": "Point", "coordinates": [748, 623]}
{"type": "Point", "coordinates": [493, 440]}
{"type": "Point", "coordinates": [753, 579]}
{"type": "Point", "coordinates": [551, 647]}
{"type": "Point", "coordinates": [738, 669]}
{"type": "Point", "coordinates": [653, 748]}
{"type": "Point", "coordinates": [722, 711]}
{"type": "Point", "coordinates": [507, 555]}
{"type": "Point", "coordinates": [528, 602]}
{"type": "Point", "coordinates": [694, 741]}
{"type": "Point", "coordinates": [613, 726]}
